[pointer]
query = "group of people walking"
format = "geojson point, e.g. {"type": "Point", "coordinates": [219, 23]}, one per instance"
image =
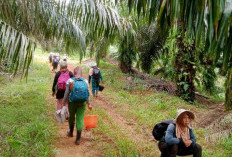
{"type": "Point", "coordinates": [54, 59]}
{"type": "Point", "coordinates": [72, 90]}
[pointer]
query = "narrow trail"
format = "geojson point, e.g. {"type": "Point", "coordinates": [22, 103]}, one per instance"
{"type": "Point", "coordinates": [65, 145]}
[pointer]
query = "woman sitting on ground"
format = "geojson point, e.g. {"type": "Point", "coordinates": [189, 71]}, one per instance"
{"type": "Point", "coordinates": [179, 138]}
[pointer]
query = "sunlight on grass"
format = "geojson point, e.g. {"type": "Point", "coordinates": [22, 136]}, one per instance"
{"type": "Point", "coordinates": [148, 109]}
{"type": "Point", "coordinates": [26, 129]}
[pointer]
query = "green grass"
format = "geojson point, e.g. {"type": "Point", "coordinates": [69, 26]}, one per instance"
{"type": "Point", "coordinates": [115, 142]}
{"type": "Point", "coordinates": [146, 108]}
{"type": "Point", "coordinates": [26, 128]}
{"type": "Point", "coordinates": [73, 56]}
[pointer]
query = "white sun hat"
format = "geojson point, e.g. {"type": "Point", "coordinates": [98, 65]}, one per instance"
{"type": "Point", "coordinates": [93, 64]}
{"type": "Point", "coordinates": [181, 111]}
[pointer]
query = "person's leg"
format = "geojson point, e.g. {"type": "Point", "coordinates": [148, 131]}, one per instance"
{"type": "Point", "coordinates": [93, 86]}
{"type": "Point", "coordinates": [191, 150]}
{"type": "Point", "coordinates": [80, 112]}
{"type": "Point", "coordinates": [71, 120]}
{"type": "Point", "coordinates": [163, 147]}
{"type": "Point", "coordinates": [56, 64]}
{"type": "Point", "coordinates": [58, 104]}
{"type": "Point", "coordinates": [53, 66]}
{"type": "Point", "coordinates": [197, 150]}
{"type": "Point", "coordinates": [173, 149]}
{"type": "Point", "coordinates": [66, 104]}
{"type": "Point", "coordinates": [97, 87]}
{"type": "Point", "coordinates": [166, 150]}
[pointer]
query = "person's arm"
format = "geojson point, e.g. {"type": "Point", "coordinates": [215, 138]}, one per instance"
{"type": "Point", "coordinates": [89, 79]}
{"type": "Point", "coordinates": [101, 76]}
{"type": "Point", "coordinates": [192, 137]}
{"type": "Point", "coordinates": [67, 90]}
{"type": "Point", "coordinates": [71, 74]}
{"type": "Point", "coordinates": [169, 136]}
{"type": "Point", "coordinates": [88, 100]}
{"type": "Point", "coordinates": [90, 74]}
{"type": "Point", "coordinates": [55, 82]}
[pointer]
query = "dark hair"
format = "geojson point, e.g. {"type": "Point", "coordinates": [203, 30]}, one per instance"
{"type": "Point", "coordinates": [179, 119]}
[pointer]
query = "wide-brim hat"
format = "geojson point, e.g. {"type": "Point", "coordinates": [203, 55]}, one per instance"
{"type": "Point", "coordinates": [93, 64]}
{"type": "Point", "coordinates": [181, 111]}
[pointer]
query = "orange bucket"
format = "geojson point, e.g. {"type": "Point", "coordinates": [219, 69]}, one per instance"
{"type": "Point", "coordinates": [90, 121]}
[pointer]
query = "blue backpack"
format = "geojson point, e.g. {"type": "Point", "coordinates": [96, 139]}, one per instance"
{"type": "Point", "coordinates": [55, 60]}
{"type": "Point", "coordinates": [79, 91]}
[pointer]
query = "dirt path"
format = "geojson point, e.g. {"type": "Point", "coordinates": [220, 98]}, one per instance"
{"type": "Point", "coordinates": [65, 145]}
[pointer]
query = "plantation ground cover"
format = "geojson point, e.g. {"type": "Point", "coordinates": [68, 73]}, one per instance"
{"type": "Point", "coordinates": [26, 128]}
{"type": "Point", "coordinates": [126, 118]}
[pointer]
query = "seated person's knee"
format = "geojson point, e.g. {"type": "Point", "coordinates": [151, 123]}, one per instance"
{"type": "Point", "coordinates": [198, 147]}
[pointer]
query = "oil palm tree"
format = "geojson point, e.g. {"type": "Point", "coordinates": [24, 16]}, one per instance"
{"type": "Point", "coordinates": [24, 22]}
{"type": "Point", "coordinates": [199, 20]}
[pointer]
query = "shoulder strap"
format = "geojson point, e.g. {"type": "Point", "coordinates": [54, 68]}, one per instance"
{"type": "Point", "coordinates": [71, 85]}
{"type": "Point", "coordinates": [80, 79]}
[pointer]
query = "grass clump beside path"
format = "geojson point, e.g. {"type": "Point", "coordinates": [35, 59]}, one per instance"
{"type": "Point", "coordinates": [25, 126]}
{"type": "Point", "coordinates": [144, 109]}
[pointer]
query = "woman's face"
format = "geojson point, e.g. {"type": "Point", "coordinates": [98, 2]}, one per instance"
{"type": "Point", "coordinates": [63, 69]}
{"type": "Point", "coordinates": [185, 120]}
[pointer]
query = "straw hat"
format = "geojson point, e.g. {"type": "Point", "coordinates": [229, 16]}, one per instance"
{"type": "Point", "coordinates": [181, 111]}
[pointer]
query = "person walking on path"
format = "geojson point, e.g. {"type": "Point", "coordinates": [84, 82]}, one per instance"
{"type": "Point", "coordinates": [50, 57]}
{"type": "Point", "coordinates": [65, 57]}
{"type": "Point", "coordinates": [55, 62]}
{"type": "Point", "coordinates": [95, 75]}
{"type": "Point", "coordinates": [59, 84]}
{"type": "Point", "coordinates": [179, 137]}
{"type": "Point", "coordinates": [77, 94]}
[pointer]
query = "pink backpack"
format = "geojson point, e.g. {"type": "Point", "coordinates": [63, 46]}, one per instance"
{"type": "Point", "coordinates": [63, 78]}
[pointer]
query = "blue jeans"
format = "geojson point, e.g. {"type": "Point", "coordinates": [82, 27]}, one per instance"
{"type": "Point", "coordinates": [95, 86]}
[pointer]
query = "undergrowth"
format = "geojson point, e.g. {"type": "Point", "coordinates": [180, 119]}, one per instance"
{"type": "Point", "coordinates": [145, 109]}
{"type": "Point", "coordinates": [26, 128]}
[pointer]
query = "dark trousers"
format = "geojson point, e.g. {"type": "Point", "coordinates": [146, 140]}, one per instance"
{"type": "Point", "coordinates": [54, 66]}
{"type": "Point", "coordinates": [181, 150]}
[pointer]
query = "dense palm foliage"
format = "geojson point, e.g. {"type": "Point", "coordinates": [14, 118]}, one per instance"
{"type": "Point", "coordinates": [200, 20]}
{"type": "Point", "coordinates": [150, 45]}
{"type": "Point", "coordinates": [76, 24]}
{"type": "Point", "coordinates": [16, 49]}
{"type": "Point", "coordinates": [43, 20]}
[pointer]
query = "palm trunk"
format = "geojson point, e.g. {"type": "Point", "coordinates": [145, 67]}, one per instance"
{"type": "Point", "coordinates": [124, 68]}
{"type": "Point", "coordinates": [228, 94]}
{"type": "Point", "coordinates": [185, 71]}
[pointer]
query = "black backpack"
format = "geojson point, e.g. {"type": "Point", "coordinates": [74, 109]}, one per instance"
{"type": "Point", "coordinates": [160, 129]}
{"type": "Point", "coordinates": [96, 73]}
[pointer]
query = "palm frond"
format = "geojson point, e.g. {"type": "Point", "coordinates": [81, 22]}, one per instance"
{"type": "Point", "coordinates": [16, 49]}
{"type": "Point", "coordinates": [151, 40]}
{"type": "Point", "coordinates": [43, 18]}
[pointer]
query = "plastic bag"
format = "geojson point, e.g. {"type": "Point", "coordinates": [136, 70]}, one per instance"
{"type": "Point", "coordinates": [61, 114]}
